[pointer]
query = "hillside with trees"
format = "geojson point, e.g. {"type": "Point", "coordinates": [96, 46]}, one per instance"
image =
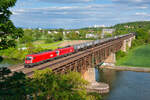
{"type": "Point", "coordinates": [140, 46]}
{"type": "Point", "coordinates": [133, 27]}
{"type": "Point", "coordinates": [140, 28]}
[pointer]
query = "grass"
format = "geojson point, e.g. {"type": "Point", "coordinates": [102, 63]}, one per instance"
{"type": "Point", "coordinates": [15, 53]}
{"type": "Point", "coordinates": [48, 45]}
{"type": "Point", "coordinates": [137, 57]}
{"type": "Point", "coordinates": [40, 43]}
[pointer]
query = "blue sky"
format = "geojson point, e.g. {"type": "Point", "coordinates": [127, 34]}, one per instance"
{"type": "Point", "coordinates": [78, 13]}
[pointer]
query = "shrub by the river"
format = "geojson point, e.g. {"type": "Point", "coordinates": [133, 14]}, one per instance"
{"type": "Point", "coordinates": [120, 54]}
{"type": "Point", "coordinates": [137, 42]}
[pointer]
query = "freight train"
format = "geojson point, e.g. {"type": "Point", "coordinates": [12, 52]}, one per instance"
{"type": "Point", "coordinates": [35, 59]}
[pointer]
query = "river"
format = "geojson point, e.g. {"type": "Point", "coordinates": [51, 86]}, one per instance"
{"type": "Point", "coordinates": [125, 85]}
{"type": "Point", "coordinates": [8, 62]}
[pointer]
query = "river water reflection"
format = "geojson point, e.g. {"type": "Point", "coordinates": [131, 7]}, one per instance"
{"type": "Point", "coordinates": [8, 62]}
{"type": "Point", "coordinates": [125, 85]}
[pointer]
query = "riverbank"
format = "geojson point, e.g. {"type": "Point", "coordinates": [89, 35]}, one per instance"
{"type": "Point", "coordinates": [125, 68]}
{"type": "Point", "coordinates": [10, 62]}
{"type": "Point", "coordinates": [137, 57]}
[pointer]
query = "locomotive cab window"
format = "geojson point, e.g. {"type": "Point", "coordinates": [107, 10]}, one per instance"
{"type": "Point", "coordinates": [29, 58]}
{"type": "Point", "coordinates": [57, 52]}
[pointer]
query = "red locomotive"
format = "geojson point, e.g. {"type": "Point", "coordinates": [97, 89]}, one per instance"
{"type": "Point", "coordinates": [65, 51]}
{"type": "Point", "coordinates": [35, 59]}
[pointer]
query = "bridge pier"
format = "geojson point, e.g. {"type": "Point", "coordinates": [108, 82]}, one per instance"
{"type": "Point", "coordinates": [99, 87]}
{"type": "Point", "coordinates": [110, 60]}
{"type": "Point", "coordinates": [124, 46]}
{"type": "Point", "coordinates": [127, 44]}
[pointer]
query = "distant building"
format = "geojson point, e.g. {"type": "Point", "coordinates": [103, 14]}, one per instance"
{"type": "Point", "coordinates": [126, 26]}
{"type": "Point", "coordinates": [68, 32]}
{"type": "Point", "coordinates": [91, 35]}
{"type": "Point", "coordinates": [55, 32]}
{"type": "Point", "coordinates": [64, 33]}
{"type": "Point", "coordinates": [49, 32]}
{"type": "Point", "coordinates": [77, 32]}
{"type": "Point", "coordinates": [107, 31]}
{"type": "Point", "coordinates": [110, 31]}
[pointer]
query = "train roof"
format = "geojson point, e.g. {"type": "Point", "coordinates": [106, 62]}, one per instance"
{"type": "Point", "coordinates": [65, 47]}
{"type": "Point", "coordinates": [34, 54]}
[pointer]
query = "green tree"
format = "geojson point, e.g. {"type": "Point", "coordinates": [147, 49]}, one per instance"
{"type": "Point", "coordinates": [26, 39]}
{"type": "Point", "coordinates": [49, 38]}
{"type": "Point", "coordinates": [108, 35]}
{"type": "Point", "coordinates": [38, 34]}
{"type": "Point", "coordinates": [12, 87]}
{"type": "Point", "coordinates": [142, 35]}
{"type": "Point", "coordinates": [52, 86]}
{"type": "Point", "coordinates": [58, 36]}
{"type": "Point", "coordinates": [61, 30]}
{"type": "Point", "coordinates": [120, 54]}
{"type": "Point", "coordinates": [30, 47]}
{"type": "Point", "coordinates": [8, 32]}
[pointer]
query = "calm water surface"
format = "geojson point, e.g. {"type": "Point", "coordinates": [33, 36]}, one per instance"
{"type": "Point", "coordinates": [125, 85]}
{"type": "Point", "coordinates": [8, 62]}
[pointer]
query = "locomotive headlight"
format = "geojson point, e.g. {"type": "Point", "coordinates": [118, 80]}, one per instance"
{"type": "Point", "coordinates": [51, 55]}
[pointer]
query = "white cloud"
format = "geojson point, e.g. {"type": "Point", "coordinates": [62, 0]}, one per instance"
{"type": "Point", "coordinates": [132, 2]}
{"type": "Point", "coordinates": [143, 7]}
{"type": "Point", "coordinates": [142, 14]}
{"type": "Point", "coordinates": [18, 12]}
{"type": "Point", "coordinates": [66, 1]}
